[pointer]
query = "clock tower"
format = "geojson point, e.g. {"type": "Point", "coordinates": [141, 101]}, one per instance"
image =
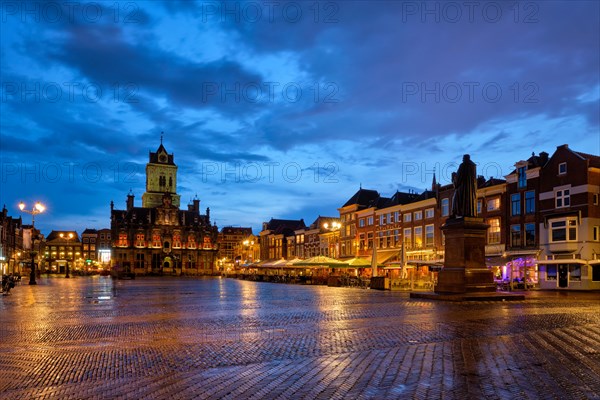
{"type": "Point", "coordinates": [161, 179]}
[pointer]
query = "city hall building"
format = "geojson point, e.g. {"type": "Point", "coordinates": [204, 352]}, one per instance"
{"type": "Point", "coordinates": [159, 238]}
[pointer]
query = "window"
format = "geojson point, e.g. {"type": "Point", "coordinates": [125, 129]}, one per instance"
{"type": "Point", "coordinates": [396, 237]}
{"type": "Point", "coordinates": [429, 235]}
{"type": "Point", "coordinates": [596, 272]}
{"type": "Point", "coordinates": [389, 242]}
{"type": "Point", "coordinates": [418, 236]}
{"type": "Point", "coordinates": [551, 272]}
{"type": "Point", "coordinates": [494, 230]}
{"type": "Point", "coordinates": [445, 207]}
{"type": "Point", "coordinates": [564, 230]}
{"type": "Point", "coordinates": [522, 172]}
{"type": "Point", "coordinates": [122, 240]}
{"type": "Point", "coordinates": [575, 272]}
{"type": "Point", "coordinates": [493, 204]}
{"type": "Point", "coordinates": [370, 240]}
{"type": "Point", "coordinates": [515, 235]}
{"type": "Point", "coordinates": [478, 207]}
{"type": "Point", "coordinates": [515, 204]}
{"type": "Point", "coordinates": [361, 241]}
{"type": "Point", "coordinates": [396, 216]}
{"type": "Point", "coordinates": [530, 202]}
{"type": "Point", "coordinates": [595, 233]}
{"type": "Point", "coordinates": [418, 215]}
{"type": "Point", "coordinates": [407, 237]}
{"type": "Point", "coordinates": [530, 235]}
{"type": "Point", "coordinates": [382, 219]}
{"type": "Point", "coordinates": [429, 213]}
{"type": "Point", "coordinates": [563, 198]}
{"type": "Point", "coordinates": [139, 260]}
{"type": "Point", "coordinates": [562, 168]}
{"type": "Point", "coordinates": [361, 223]}
{"type": "Point", "coordinates": [381, 240]}
{"type": "Point", "coordinates": [391, 218]}
{"type": "Point", "coordinates": [595, 199]}
{"type": "Point", "coordinates": [370, 221]}
{"type": "Point", "coordinates": [407, 217]}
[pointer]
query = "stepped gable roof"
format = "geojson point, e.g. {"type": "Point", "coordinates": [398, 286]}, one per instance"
{"type": "Point", "coordinates": [427, 194]}
{"type": "Point", "coordinates": [320, 220]}
{"type": "Point", "coordinates": [362, 197]}
{"type": "Point", "coordinates": [593, 159]}
{"type": "Point", "coordinates": [236, 230]}
{"type": "Point", "coordinates": [492, 182]}
{"type": "Point", "coordinates": [55, 235]}
{"type": "Point", "coordinates": [278, 226]}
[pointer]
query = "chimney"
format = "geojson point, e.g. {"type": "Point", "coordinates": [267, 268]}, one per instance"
{"type": "Point", "coordinates": [543, 158]}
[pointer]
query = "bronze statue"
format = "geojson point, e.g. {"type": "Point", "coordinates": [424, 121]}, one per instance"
{"type": "Point", "coordinates": [464, 202]}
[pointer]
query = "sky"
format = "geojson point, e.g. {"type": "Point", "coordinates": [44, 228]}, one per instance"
{"type": "Point", "coordinates": [277, 109]}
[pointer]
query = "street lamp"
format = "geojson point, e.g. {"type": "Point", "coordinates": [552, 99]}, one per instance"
{"type": "Point", "coordinates": [38, 208]}
{"type": "Point", "coordinates": [67, 238]}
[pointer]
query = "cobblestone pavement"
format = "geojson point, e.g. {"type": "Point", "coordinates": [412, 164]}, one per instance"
{"type": "Point", "coordinates": [221, 338]}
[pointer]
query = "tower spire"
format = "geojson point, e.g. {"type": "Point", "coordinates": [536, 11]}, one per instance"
{"type": "Point", "coordinates": [161, 136]}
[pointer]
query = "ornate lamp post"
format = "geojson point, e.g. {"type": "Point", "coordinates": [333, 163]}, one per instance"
{"type": "Point", "coordinates": [38, 208]}
{"type": "Point", "coordinates": [67, 238]}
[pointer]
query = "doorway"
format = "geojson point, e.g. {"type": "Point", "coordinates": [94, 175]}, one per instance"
{"type": "Point", "coordinates": [563, 275]}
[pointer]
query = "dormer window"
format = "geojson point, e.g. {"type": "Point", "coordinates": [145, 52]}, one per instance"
{"type": "Point", "coordinates": [562, 168]}
{"type": "Point", "coordinates": [522, 172]}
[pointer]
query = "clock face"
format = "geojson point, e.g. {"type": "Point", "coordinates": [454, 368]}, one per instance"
{"type": "Point", "coordinates": [162, 157]}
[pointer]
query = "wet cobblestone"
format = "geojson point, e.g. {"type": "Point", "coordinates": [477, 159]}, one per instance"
{"type": "Point", "coordinates": [95, 338]}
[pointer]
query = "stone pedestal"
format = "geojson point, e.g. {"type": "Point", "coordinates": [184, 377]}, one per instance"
{"type": "Point", "coordinates": [464, 259]}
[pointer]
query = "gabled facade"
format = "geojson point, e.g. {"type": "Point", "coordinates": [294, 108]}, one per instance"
{"type": "Point", "coordinates": [570, 221]}
{"type": "Point", "coordinates": [274, 235]}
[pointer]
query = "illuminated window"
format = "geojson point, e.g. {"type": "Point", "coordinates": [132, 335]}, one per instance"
{"type": "Point", "coordinates": [418, 236]}
{"type": "Point", "coordinates": [494, 230]}
{"type": "Point", "coordinates": [418, 215]}
{"type": "Point", "coordinates": [429, 213]}
{"type": "Point", "coordinates": [407, 238]}
{"type": "Point", "coordinates": [493, 204]}
{"type": "Point", "coordinates": [407, 217]}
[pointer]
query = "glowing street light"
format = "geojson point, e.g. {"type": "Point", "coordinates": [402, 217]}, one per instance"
{"type": "Point", "coordinates": [38, 208]}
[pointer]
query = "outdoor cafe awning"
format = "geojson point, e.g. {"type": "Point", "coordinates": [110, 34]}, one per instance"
{"type": "Point", "coordinates": [565, 261]}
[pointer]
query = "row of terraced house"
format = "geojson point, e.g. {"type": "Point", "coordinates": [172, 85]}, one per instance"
{"type": "Point", "coordinates": [544, 225]}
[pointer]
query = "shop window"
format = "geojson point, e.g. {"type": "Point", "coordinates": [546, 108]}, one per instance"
{"type": "Point", "coordinates": [575, 272]}
{"type": "Point", "coordinates": [551, 273]}
{"type": "Point", "coordinates": [596, 273]}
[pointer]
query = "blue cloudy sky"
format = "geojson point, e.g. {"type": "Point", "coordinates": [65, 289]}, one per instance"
{"type": "Point", "coordinates": [283, 109]}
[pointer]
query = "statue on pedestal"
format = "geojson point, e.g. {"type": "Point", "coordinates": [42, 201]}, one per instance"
{"type": "Point", "coordinates": [464, 202]}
